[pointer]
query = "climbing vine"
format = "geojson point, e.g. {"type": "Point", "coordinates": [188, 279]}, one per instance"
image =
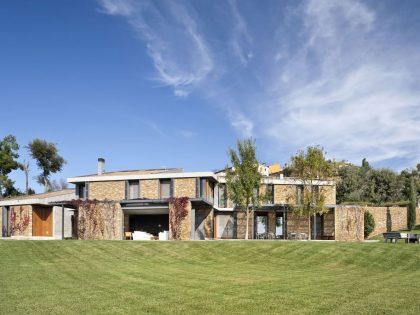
{"type": "Point", "coordinates": [178, 211]}
{"type": "Point", "coordinates": [19, 223]}
{"type": "Point", "coordinates": [96, 219]}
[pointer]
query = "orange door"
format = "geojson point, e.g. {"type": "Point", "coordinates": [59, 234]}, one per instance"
{"type": "Point", "coordinates": [42, 221]}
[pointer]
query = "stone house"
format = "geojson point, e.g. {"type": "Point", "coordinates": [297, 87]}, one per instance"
{"type": "Point", "coordinates": [40, 216]}
{"type": "Point", "coordinates": [106, 205]}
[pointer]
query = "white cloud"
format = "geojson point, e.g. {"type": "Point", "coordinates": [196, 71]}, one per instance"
{"type": "Point", "coordinates": [322, 72]}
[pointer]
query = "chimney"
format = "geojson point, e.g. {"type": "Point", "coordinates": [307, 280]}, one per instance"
{"type": "Point", "coordinates": [101, 166]}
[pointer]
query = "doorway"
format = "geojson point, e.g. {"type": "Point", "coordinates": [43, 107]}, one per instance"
{"type": "Point", "coordinates": [42, 221]}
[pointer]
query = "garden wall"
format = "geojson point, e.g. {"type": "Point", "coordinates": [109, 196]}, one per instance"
{"type": "Point", "coordinates": [349, 223]}
{"type": "Point", "coordinates": [388, 219]}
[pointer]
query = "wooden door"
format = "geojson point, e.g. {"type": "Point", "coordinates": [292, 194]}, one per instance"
{"type": "Point", "coordinates": [42, 221]}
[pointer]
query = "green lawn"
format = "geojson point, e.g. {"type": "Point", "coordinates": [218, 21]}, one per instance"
{"type": "Point", "coordinates": [219, 277]}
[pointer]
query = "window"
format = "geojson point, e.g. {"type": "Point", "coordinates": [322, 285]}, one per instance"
{"type": "Point", "coordinates": [203, 188]}
{"type": "Point", "coordinates": [133, 189]}
{"type": "Point", "coordinates": [222, 196]}
{"type": "Point", "coordinates": [299, 194]}
{"type": "Point", "coordinates": [270, 194]}
{"type": "Point", "coordinates": [82, 190]}
{"type": "Point", "coordinates": [165, 188]}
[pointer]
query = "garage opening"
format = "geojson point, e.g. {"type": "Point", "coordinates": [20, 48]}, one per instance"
{"type": "Point", "coordinates": [149, 223]}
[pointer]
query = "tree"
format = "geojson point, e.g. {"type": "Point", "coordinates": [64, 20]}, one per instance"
{"type": "Point", "coordinates": [25, 168]}
{"type": "Point", "coordinates": [243, 178]}
{"type": "Point", "coordinates": [369, 223]}
{"type": "Point", "coordinates": [8, 162]}
{"type": "Point", "coordinates": [309, 168]}
{"type": "Point", "coordinates": [59, 185]}
{"type": "Point", "coordinates": [412, 206]}
{"type": "Point", "coordinates": [47, 159]}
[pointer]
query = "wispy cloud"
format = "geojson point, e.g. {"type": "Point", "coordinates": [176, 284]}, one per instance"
{"type": "Point", "coordinates": [188, 134]}
{"type": "Point", "coordinates": [179, 52]}
{"type": "Point", "coordinates": [154, 127]}
{"type": "Point", "coordinates": [335, 73]}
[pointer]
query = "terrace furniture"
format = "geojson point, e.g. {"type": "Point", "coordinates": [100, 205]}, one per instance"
{"type": "Point", "coordinates": [164, 236]}
{"type": "Point", "coordinates": [291, 236]}
{"type": "Point", "coordinates": [141, 236]}
{"type": "Point", "coordinates": [128, 235]}
{"type": "Point", "coordinates": [393, 237]}
{"type": "Point", "coordinates": [413, 238]}
{"type": "Point", "coordinates": [271, 236]}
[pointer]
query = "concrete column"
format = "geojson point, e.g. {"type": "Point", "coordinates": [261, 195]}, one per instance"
{"type": "Point", "coordinates": [192, 224]}
{"type": "Point", "coordinates": [62, 222]}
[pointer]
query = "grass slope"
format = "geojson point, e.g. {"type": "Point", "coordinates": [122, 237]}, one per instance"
{"type": "Point", "coordinates": [238, 277]}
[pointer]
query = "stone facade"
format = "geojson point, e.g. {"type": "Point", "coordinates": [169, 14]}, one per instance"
{"type": "Point", "coordinates": [110, 190]}
{"type": "Point", "coordinates": [329, 193]}
{"type": "Point", "coordinates": [149, 188]}
{"type": "Point", "coordinates": [185, 224]}
{"type": "Point", "coordinates": [240, 217]}
{"type": "Point", "coordinates": [185, 187]}
{"type": "Point", "coordinates": [106, 225]}
{"type": "Point", "coordinates": [388, 218]}
{"type": "Point", "coordinates": [208, 224]}
{"type": "Point", "coordinates": [285, 194]}
{"type": "Point", "coordinates": [329, 223]}
{"type": "Point", "coordinates": [271, 224]}
{"type": "Point", "coordinates": [297, 224]}
{"type": "Point", "coordinates": [349, 223]}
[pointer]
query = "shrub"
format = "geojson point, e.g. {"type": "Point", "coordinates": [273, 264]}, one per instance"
{"type": "Point", "coordinates": [369, 223]}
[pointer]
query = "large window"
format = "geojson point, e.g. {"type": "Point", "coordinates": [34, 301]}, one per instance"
{"type": "Point", "coordinates": [133, 189]}
{"type": "Point", "coordinates": [299, 194]}
{"type": "Point", "coordinates": [82, 190]}
{"type": "Point", "coordinates": [222, 196]}
{"type": "Point", "coordinates": [270, 194]}
{"type": "Point", "coordinates": [165, 188]}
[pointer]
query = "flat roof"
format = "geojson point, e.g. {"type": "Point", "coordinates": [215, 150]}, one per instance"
{"type": "Point", "coordinates": [43, 198]}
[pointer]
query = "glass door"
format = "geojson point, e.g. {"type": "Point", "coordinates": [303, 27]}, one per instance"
{"type": "Point", "coordinates": [279, 227]}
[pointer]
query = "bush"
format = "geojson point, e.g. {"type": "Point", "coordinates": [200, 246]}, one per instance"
{"type": "Point", "coordinates": [369, 223]}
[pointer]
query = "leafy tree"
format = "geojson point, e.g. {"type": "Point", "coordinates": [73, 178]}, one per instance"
{"type": "Point", "coordinates": [243, 178]}
{"type": "Point", "coordinates": [412, 206]}
{"type": "Point", "coordinates": [8, 162]}
{"type": "Point", "coordinates": [369, 222]}
{"type": "Point", "coordinates": [59, 185]}
{"type": "Point", "coordinates": [309, 168]}
{"type": "Point", "coordinates": [25, 168]}
{"type": "Point", "coordinates": [47, 159]}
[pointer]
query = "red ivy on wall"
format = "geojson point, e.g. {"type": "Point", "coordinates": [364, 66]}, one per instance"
{"type": "Point", "coordinates": [178, 211]}
{"type": "Point", "coordinates": [20, 223]}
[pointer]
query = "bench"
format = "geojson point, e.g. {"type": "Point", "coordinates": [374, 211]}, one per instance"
{"type": "Point", "coordinates": [391, 236]}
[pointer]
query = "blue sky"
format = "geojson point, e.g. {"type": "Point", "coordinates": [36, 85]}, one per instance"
{"type": "Point", "coordinates": [174, 83]}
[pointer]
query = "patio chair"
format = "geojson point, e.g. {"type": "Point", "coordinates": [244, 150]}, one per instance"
{"type": "Point", "coordinates": [128, 235]}
{"type": "Point", "coordinates": [271, 236]}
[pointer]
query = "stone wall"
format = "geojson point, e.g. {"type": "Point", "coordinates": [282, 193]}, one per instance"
{"type": "Point", "coordinates": [285, 194]}
{"type": "Point", "coordinates": [100, 221]}
{"type": "Point", "coordinates": [297, 223]}
{"type": "Point", "coordinates": [418, 216]}
{"type": "Point", "coordinates": [329, 223]}
{"type": "Point", "coordinates": [271, 224]}
{"type": "Point", "coordinates": [388, 219]}
{"type": "Point", "coordinates": [110, 190]}
{"type": "Point", "coordinates": [241, 225]}
{"type": "Point", "coordinates": [208, 231]}
{"type": "Point", "coordinates": [185, 224]}
{"type": "Point", "coordinates": [329, 193]}
{"type": "Point", "coordinates": [349, 223]}
{"type": "Point", "coordinates": [26, 210]}
{"type": "Point", "coordinates": [185, 187]}
{"type": "Point", "coordinates": [149, 188]}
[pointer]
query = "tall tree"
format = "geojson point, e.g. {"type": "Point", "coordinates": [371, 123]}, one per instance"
{"type": "Point", "coordinates": [47, 159]}
{"type": "Point", "coordinates": [24, 166]}
{"type": "Point", "coordinates": [8, 162]}
{"type": "Point", "coordinates": [412, 205]}
{"type": "Point", "coordinates": [243, 178]}
{"type": "Point", "coordinates": [309, 168]}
